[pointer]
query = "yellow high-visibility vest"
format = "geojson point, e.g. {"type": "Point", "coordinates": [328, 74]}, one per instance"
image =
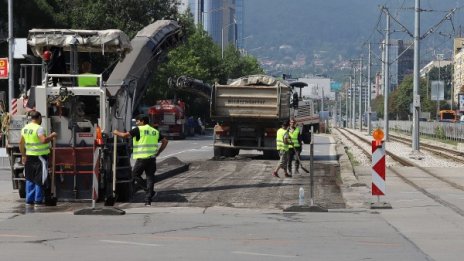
{"type": "Point", "coordinates": [33, 145]}
{"type": "Point", "coordinates": [280, 140]}
{"type": "Point", "coordinates": [147, 145]}
{"type": "Point", "coordinates": [294, 135]}
{"type": "Point", "coordinates": [87, 80]}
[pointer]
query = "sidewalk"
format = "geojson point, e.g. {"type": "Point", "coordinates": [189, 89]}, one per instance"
{"type": "Point", "coordinates": [432, 227]}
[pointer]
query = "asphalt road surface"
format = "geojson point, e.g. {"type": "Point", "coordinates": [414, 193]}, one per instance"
{"type": "Point", "coordinates": [221, 209]}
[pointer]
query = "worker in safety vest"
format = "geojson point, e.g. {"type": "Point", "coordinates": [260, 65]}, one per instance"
{"type": "Point", "coordinates": [86, 78]}
{"type": "Point", "coordinates": [34, 147]}
{"type": "Point", "coordinates": [145, 150]}
{"type": "Point", "coordinates": [282, 141]}
{"type": "Point", "coordinates": [295, 146]}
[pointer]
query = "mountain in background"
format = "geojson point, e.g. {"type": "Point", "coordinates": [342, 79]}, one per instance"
{"type": "Point", "coordinates": [320, 37]}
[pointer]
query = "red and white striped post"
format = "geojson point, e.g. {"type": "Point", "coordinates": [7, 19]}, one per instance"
{"type": "Point", "coordinates": [96, 173]}
{"type": "Point", "coordinates": [14, 106]}
{"type": "Point", "coordinates": [378, 168]}
{"type": "Point", "coordinates": [378, 187]}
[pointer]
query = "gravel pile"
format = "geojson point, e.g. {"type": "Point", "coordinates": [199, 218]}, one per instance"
{"type": "Point", "coordinates": [428, 159]}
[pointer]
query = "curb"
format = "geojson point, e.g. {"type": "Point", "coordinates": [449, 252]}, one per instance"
{"type": "Point", "coordinates": [353, 191]}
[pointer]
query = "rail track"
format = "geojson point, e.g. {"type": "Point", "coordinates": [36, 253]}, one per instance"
{"type": "Point", "coordinates": [437, 150]}
{"type": "Point", "coordinates": [407, 163]}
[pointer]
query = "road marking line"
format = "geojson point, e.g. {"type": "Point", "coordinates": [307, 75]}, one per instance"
{"type": "Point", "coordinates": [189, 150]}
{"type": "Point", "coordinates": [261, 254]}
{"type": "Point", "coordinates": [128, 243]}
{"type": "Point", "coordinates": [9, 235]}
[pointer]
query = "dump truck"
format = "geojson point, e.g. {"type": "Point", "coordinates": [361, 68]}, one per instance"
{"type": "Point", "coordinates": [248, 112]}
{"type": "Point", "coordinates": [303, 111]}
{"type": "Point", "coordinates": [86, 157]}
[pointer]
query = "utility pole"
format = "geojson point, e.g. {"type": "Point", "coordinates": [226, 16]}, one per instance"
{"type": "Point", "coordinates": [416, 97]}
{"type": "Point", "coordinates": [10, 54]}
{"type": "Point", "coordinates": [439, 57]}
{"type": "Point", "coordinates": [360, 92]}
{"type": "Point", "coordinates": [369, 91]}
{"type": "Point", "coordinates": [347, 115]}
{"type": "Point", "coordinates": [340, 124]}
{"type": "Point", "coordinates": [387, 77]}
{"type": "Point", "coordinates": [353, 101]}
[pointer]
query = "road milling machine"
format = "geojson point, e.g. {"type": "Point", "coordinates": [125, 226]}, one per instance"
{"type": "Point", "coordinates": [84, 116]}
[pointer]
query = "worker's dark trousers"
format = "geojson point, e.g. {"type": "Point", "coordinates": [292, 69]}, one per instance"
{"type": "Point", "coordinates": [294, 159]}
{"type": "Point", "coordinates": [149, 166]}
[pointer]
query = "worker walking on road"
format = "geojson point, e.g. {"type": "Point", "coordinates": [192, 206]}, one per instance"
{"type": "Point", "coordinates": [282, 141]}
{"type": "Point", "coordinates": [295, 147]}
{"type": "Point", "coordinates": [145, 150]}
{"type": "Point", "coordinates": [35, 148]}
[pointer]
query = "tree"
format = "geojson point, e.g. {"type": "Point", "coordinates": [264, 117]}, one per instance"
{"type": "Point", "coordinates": [199, 57]}
{"type": "Point", "coordinates": [401, 99]}
{"type": "Point", "coordinates": [377, 105]}
{"type": "Point", "coordinates": [127, 15]}
{"type": "Point", "coordinates": [236, 65]}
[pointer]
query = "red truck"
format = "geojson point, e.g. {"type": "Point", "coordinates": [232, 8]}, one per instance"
{"type": "Point", "coordinates": [169, 118]}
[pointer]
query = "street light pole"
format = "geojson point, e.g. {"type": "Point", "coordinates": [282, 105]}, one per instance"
{"type": "Point", "coordinates": [439, 57]}
{"type": "Point", "coordinates": [386, 77]}
{"type": "Point", "coordinates": [360, 92]}
{"type": "Point", "coordinates": [10, 54]}
{"type": "Point", "coordinates": [416, 98]}
{"type": "Point", "coordinates": [369, 92]}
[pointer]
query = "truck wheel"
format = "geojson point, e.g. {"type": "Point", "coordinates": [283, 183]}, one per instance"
{"type": "Point", "coordinates": [270, 154]}
{"type": "Point", "coordinates": [218, 152]}
{"type": "Point", "coordinates": [231, 152]}
{"type": "Point", "coordinates": [22, 188]}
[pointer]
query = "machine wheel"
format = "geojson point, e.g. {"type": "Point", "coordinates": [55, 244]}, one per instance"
{"type": "Point", "coordinates": [306, 135]}
{"type": "Point", "coordinates": [218, 152]}
{"type": "Point", "coordinates": [22, 188]}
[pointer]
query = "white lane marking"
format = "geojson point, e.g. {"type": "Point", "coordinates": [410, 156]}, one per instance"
{"type": "Point", "coordinates": [260, 254]}
{"type": "Point", "coordinates": [183, 151]}
{"type": "Point", "coordinates": [128, 243]}
{"type": "Point", "coordinates": [11, 235]}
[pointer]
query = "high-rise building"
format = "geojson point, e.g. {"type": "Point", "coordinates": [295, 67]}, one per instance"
{"type": "Point", "coordinates": [240, 16]}
{"type": "Point", "coordinates": [220, 18]}
{"type": "Point", "coordinates": [401, 59]}
{"type": "Point", "coordinates": [458, 77]}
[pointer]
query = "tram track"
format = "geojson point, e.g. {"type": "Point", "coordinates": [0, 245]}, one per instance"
{"type": "Point", "coordinates": [437, 150]}
{"type": "Point", "coordinates": [409, 181]}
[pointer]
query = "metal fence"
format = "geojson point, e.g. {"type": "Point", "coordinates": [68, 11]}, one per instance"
{"type": "Point", "coordinates": [439, 130]}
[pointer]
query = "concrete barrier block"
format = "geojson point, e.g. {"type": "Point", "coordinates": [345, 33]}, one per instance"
{"type": "Point", "coordinates": [4, 160]}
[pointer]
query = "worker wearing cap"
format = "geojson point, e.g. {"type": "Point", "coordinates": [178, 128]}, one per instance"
{"type": "Point", "coordinates": [34, 148]}
{"type": "Point", "coordinates": [294, 147]}
{"type": "Point", "coordinates": [145, 150]}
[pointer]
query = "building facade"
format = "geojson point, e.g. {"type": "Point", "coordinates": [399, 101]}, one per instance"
{"type": "Point", "coordinates": [222, 19]}
{"type": "Point", "coordinates": [458, 77]}
{"type": "Point", "coordinates": [401, 59]}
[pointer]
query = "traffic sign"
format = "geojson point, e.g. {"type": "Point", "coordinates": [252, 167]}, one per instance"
{"type": "Point", "coordinates": [3, 68]}
{"type": "Point", "coordinates": [378, 166]}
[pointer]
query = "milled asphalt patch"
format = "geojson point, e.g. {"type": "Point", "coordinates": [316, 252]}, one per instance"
{"type": "Point", "coordinates": [170, 167]}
